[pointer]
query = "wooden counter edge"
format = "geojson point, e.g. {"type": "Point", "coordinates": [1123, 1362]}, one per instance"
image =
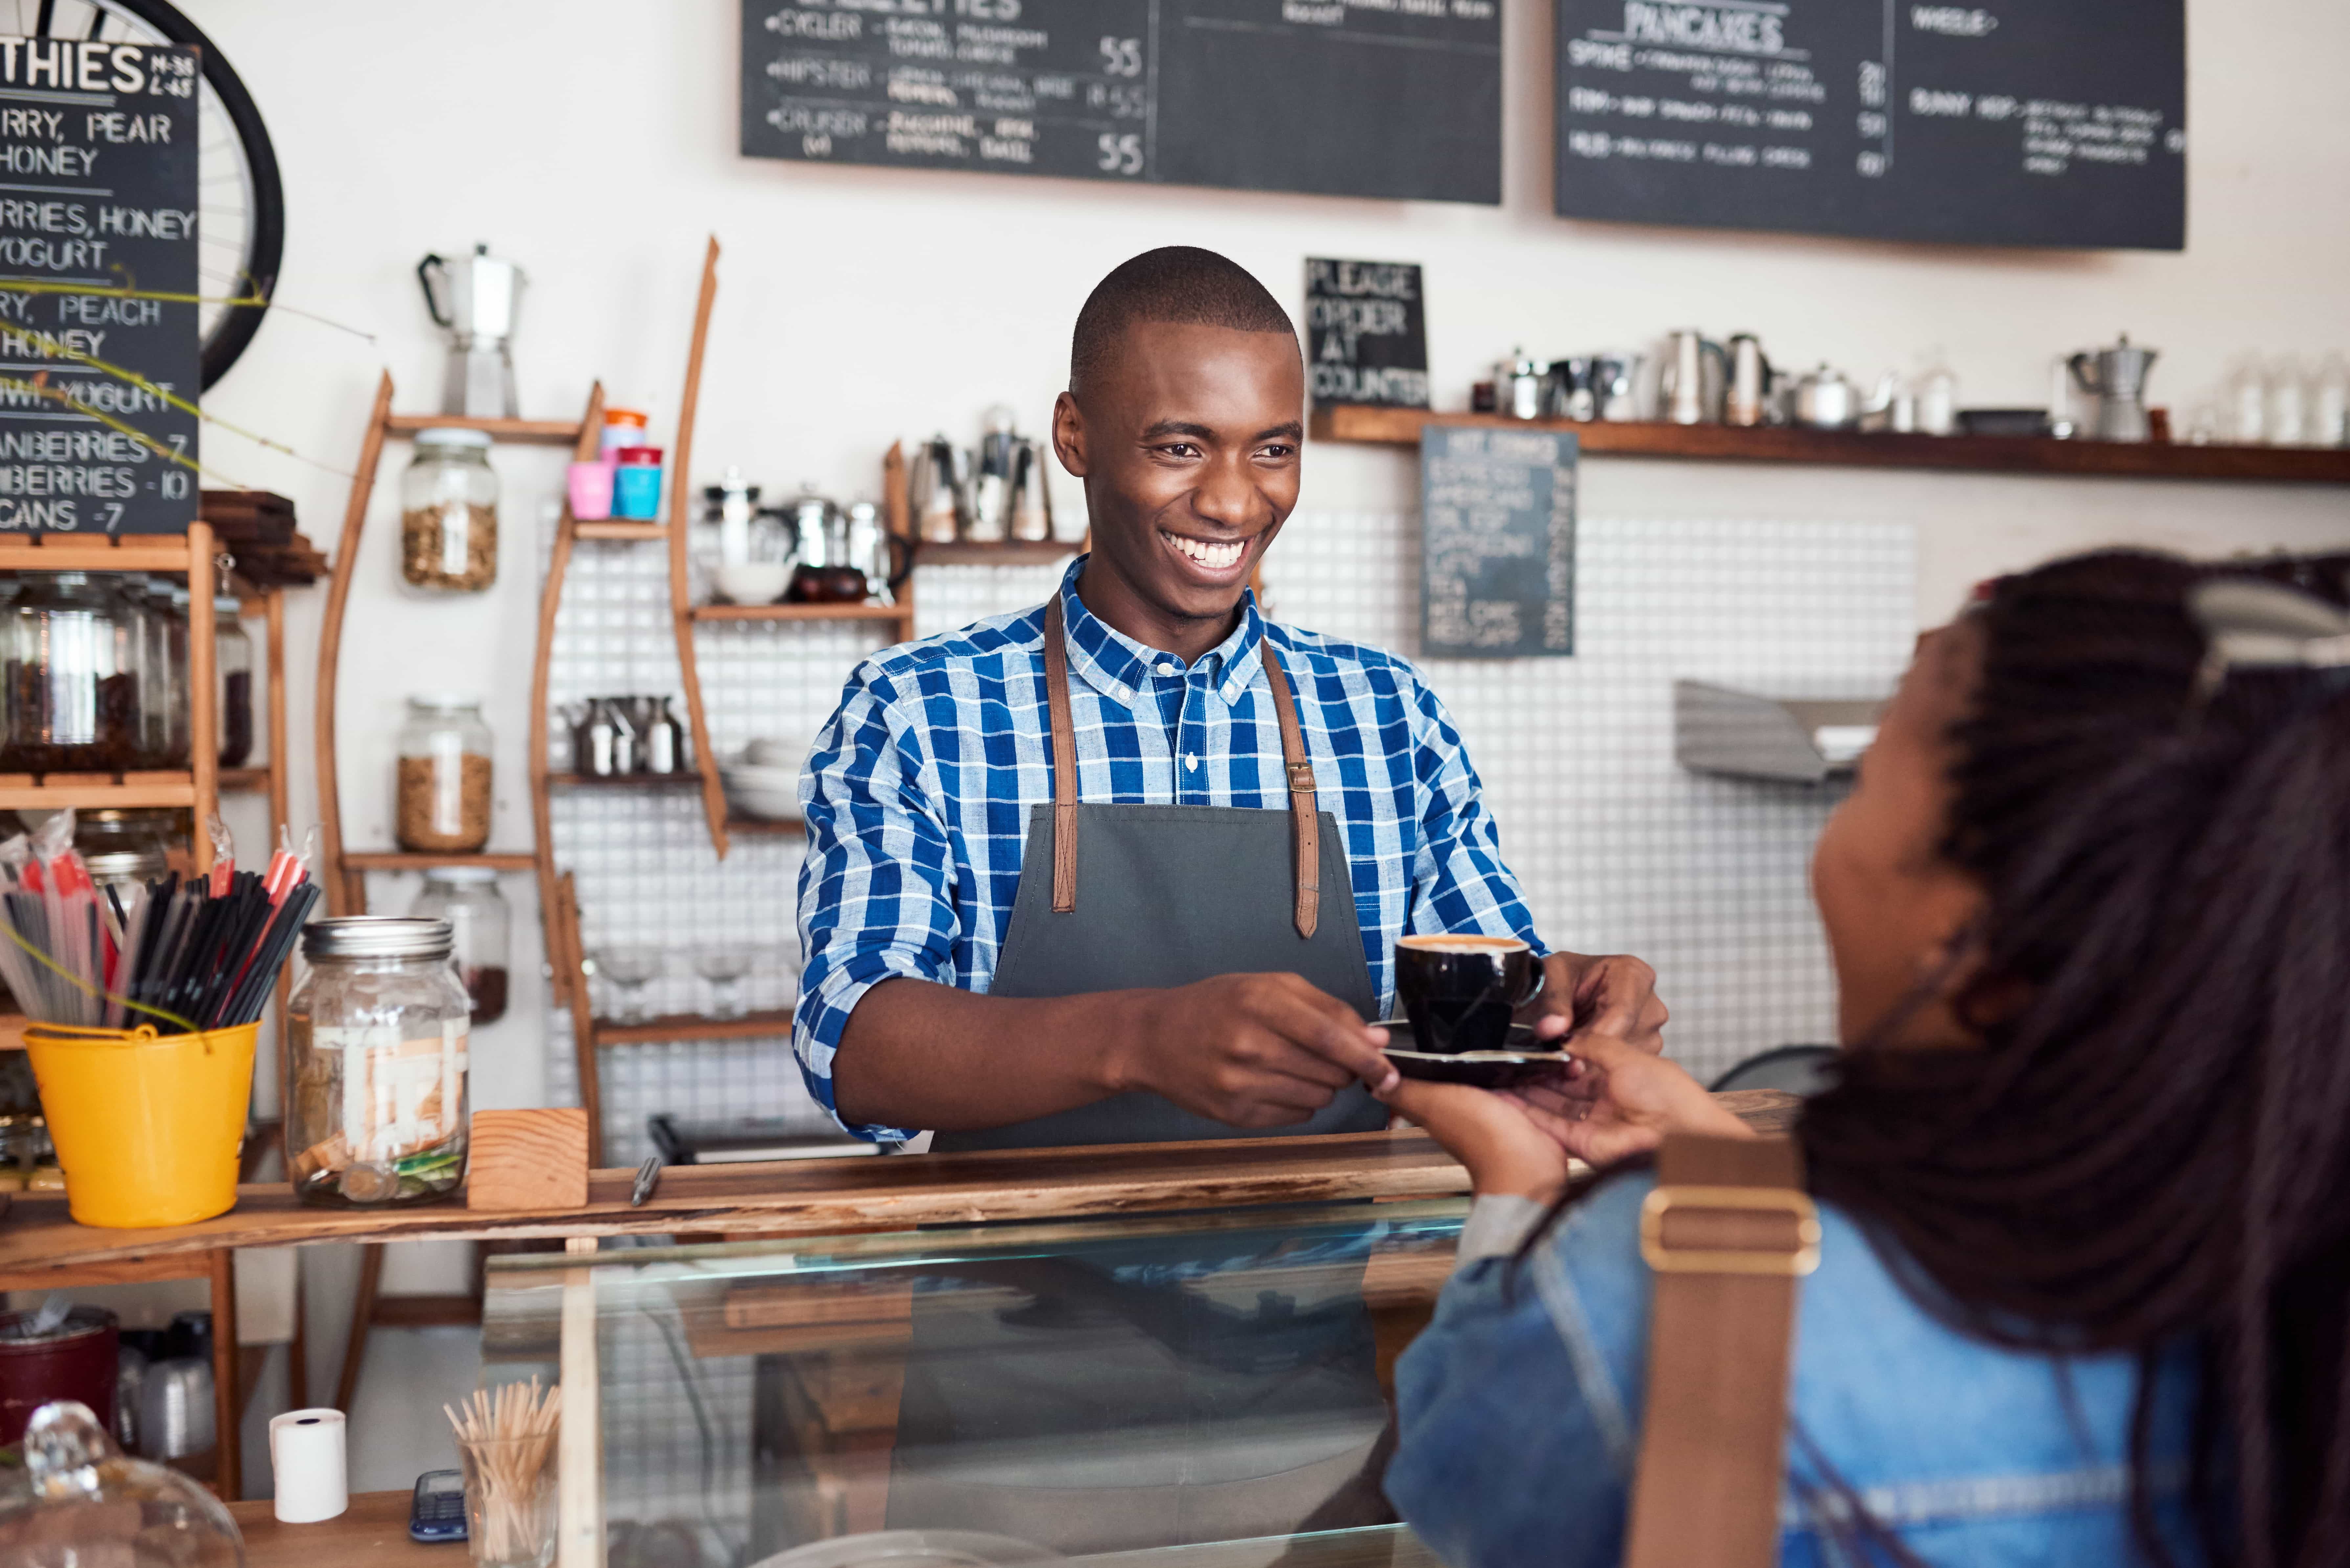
{"type": "Point", "coordinates": [371, 1534]}
{"type": "Point", "coordinates": [812, 1196]}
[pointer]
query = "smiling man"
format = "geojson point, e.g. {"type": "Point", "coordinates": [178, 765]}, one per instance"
{"type": "Point", "coordinates": [1130, 867]}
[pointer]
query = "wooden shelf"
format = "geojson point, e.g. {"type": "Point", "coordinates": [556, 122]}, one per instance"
{"type": "Point", "coordinates": [164, 553]}
{"type": "Point", "coordinates": [620, 529]}
{"type": "Point", "coordinates": [736, 823]}
{"type": "Point", "coordinates": [53, 792]}
{"type": "Point", "coordinates": [624, 781]}
{"type": "Point", "coordinates": [693, 1026]}
{"type": "Point", "coordinates": [371, 1534]}
{"type": "Point", "coordinates": [11, 1031]}
{"type": "Point", "coordinates": [401, 861]}
{"type": "Point", "coordinates": [551, 432]}
{"type": "Point", "coordinates": [1011, 553]}
{"type": "Point", "coordinates": [801, 612]}
{"type": "Point", "coordinates": [244, 781]}
{"type": "Point", "coordinates": [1855, 449]}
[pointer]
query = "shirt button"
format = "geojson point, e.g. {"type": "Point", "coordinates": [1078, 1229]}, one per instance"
{"type": "Point", "coordinates": [1169, 668]}
{"type": "Point", "coordinates": [1120, 693]}
{"type": "Point", "coordinates": [1190, 763]}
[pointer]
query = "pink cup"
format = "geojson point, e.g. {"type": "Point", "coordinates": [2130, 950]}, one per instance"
{"type": "Point", "coordinates": [590, 485]}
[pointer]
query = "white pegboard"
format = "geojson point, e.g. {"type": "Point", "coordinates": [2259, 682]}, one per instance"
{"type": "Point", "coordinates": [1619, 850]}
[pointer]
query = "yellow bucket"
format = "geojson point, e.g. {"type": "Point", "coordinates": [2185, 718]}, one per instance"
{"type": "Point", "coordinates": [148, 1127]}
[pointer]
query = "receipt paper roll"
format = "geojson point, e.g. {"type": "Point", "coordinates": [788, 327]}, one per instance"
{"type": "Point", "coordinates": [306, 1449]}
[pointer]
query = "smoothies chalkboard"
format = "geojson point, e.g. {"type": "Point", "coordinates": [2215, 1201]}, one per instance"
{"type": "Point", "coordinates": [97, 218]}
{"type": "Point", "coordinates": [1497, 543]}
{"type": "Point", "coordinates": [1327, 97]}
{"type": "Point", "coordinates": [2056, 122]}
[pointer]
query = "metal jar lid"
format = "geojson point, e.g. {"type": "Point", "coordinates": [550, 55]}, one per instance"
{"type": "Point", "coordinates": [125, 865]}
{"type": "Point", "coordinates": [375, 937]}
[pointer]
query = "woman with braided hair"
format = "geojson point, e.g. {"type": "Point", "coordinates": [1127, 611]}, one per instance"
{"type": "Point", "coordinates": [2083, 1176]}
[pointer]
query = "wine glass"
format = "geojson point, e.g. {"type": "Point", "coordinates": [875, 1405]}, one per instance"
{"type": "Point", "coordinates": [631, 968]}
{"type": "Point", "coordinates": [724, 965]}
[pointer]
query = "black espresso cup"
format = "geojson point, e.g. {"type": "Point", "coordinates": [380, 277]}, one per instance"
{"type": "Point", "coordinates": [1461, 991]}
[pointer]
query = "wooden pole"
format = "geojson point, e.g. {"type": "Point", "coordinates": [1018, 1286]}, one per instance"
{"type": "Point", "coordinates": [579, 1444]}
{"type": "Point", "coordinates": [228, 1409]}
{"type": "Point", "coordinates": [203, 689]}
{"type": "Point", "coordinates": [681, 489]}
{"type": "Point", "coordinates": [346, 892]}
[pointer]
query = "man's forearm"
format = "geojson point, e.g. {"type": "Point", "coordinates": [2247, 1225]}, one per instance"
{"type": "Point", "coordinates": [917, 1055]}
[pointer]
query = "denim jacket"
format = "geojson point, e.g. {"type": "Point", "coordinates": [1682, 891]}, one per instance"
{"type": "Point", "coordinates": [1520, 1412]}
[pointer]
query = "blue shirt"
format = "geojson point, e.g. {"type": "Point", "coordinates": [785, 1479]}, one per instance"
{"type": "Point", "coordinates": [1519, 1413]}
{"type": "Point", "coordinates": [918, 793]}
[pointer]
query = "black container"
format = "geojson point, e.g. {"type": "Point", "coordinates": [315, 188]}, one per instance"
{"type": "Point", "coordinates": [1461, 991]}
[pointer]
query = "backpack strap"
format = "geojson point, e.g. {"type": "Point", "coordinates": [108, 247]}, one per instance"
{"type": "Point", "coordinates": [1728, 1231]}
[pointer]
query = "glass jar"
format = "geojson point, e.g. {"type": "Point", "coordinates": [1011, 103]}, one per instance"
{"type": "Point", "coordinates": [72, 678]}
{"type": "Point", "coordinates": [375, 1064]}
{"type": "Point", "coordinates": [149, 599]}
{"type": "Point", "coordinates": [232, 657]}
{"type": "Point", "coordinates": [481, 925]}
{"type": "Point", "coordinates": [78, 1499]}
{"type": "Point", "coordinates": [449, 513]}
{"type": "Point", "coordinates": [179, 732]}
{"type": "Point", "coordinates": [163, 833]}
{"type": "Point", "coordinates": [442, 798]}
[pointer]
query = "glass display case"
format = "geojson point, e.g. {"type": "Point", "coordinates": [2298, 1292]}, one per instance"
{"type": "Point", "coordinates": [1211, 1388]}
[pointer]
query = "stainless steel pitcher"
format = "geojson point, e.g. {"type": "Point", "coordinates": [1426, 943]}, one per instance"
{"type": "Point", "coordinates": [1748, 401]}
{"type": "Point", "coordinates": [1692, 396]}
{"type": "Point", "coordinates": [474, 299]}
{"type": "Point", "coordinates": [2116, 377]}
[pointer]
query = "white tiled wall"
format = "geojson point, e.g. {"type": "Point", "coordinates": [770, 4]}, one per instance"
{"type": "Point", "coordinates": [1619, 850]}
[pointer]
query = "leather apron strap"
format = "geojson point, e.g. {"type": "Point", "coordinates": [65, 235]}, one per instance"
{"type": "Point", "coordinates": [1303, 814]}
{"type": "Point", "coordinates": [1728, 1231]}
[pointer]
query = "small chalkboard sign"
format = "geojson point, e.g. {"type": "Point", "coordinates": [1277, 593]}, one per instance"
{"type": "Point", "coordinates": [1497, 543]}
{"type": "Point", "coordinates": [98, 284]}
{"type": "Point", "coordinates": [1367, 333]}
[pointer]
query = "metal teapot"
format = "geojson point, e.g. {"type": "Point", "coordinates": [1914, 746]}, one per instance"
{"type": "Point", "coordinates": [1825, 400]}
{"type": "Point", "coordinates": [828, 573]}
{"type": "Point", "coordinates": [2116, 377]}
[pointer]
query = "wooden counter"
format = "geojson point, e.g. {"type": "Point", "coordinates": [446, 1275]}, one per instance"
{"type": "Point", "coordinates": [371, 1534]}
{"type": "Point", "coordinates": [815, 1196]}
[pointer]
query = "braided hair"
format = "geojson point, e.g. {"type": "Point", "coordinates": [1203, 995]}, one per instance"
{"type": "Point", "coordinates": [2151, 1145]}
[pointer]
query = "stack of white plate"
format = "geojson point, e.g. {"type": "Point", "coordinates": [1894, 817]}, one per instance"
{"type": "Point", "coordinates": [765, 781]}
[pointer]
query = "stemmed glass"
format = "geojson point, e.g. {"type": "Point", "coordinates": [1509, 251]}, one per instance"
{"type": "Point", "coordinates": [724, 965]}
{"type": "Point", "coordinates": [631, 968]}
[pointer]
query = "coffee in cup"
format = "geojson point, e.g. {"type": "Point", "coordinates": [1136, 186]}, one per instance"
{"type": "Point", "coordinates": [1461, 991]}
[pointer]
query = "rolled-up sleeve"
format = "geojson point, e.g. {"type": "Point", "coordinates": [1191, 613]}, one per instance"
{"type": "Point", "coordinates": [1459, 881]}
{"type": "Point", "coordinates": [876, 889]}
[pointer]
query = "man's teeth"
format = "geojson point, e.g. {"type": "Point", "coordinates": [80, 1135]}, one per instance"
{"type": "Point", "coordinates": [1216, 557]}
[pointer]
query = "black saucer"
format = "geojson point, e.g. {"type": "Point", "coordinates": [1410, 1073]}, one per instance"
{"type": "Point", "coordinates": [1524, 1063]}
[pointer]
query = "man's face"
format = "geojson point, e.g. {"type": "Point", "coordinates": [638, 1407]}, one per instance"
{"type": "Point", "coordinates": [1188, 443]}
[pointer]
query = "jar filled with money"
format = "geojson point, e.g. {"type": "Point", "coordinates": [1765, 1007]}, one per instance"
{"type": "Point", "coordinates": [375, 1064]}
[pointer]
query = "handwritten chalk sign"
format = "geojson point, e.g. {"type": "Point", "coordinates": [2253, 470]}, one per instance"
{"type": "Point", "coordinates": [1336, 97]}
{"type": "Point", "coordinates": [97, 141]}
{"type": "Point", "coordinates": [1367, 334]}
{"type": "Point", "coordinates": [1497, 543]}
{"type": "Point", "coordinates": [2062, 122]}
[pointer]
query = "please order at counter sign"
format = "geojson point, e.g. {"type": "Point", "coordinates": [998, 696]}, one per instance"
{"type": "Point", "coordinates": [97, 285]}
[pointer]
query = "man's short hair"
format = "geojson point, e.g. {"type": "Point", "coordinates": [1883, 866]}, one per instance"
{"type": "Point", "coordinates": [1181, 284]}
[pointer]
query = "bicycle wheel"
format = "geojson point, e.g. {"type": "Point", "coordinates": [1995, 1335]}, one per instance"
{"type": "Point", "coordinates": [241, 205]}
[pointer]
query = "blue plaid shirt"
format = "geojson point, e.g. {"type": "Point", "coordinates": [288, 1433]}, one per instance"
{"type": "Point", "coordinates": [918, 793]}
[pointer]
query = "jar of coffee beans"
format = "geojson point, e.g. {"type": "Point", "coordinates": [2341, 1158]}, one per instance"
{"type": "Point", "coordinates": [449, 513]}
{"type": "Point", "coordinates": [442, 800]}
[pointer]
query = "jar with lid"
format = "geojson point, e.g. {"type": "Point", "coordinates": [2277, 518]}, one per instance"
{"type": "Point", "coordinates": [152, 646]}
{"type": "Point", "coordinates": [449, 513]}
{"type": "Point", "coordinates": [72, 698]}
{"type": "Point", "coordinates": [375, 1064]}
{"type": "Point", "coordinates": [480, 924]}
{"type": "Point", "coordinates": [149, 832]}
{"type": "Point", "coordinates": [233, 658]}
{"type": "Point", "coordinates": [442, 798]}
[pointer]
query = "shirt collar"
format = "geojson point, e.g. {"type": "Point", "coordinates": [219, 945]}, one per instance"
{"type": "Point", "coordinates": [1118, 667]}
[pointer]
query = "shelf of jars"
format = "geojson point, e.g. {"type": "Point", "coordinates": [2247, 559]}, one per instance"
{"type": "Point", "coordinates": [677, 781]}
{"type": "Point", "coordinates": [768, 825]}
{"type": "Point", "coordinates": [1001, 553]}
{"type": "Point", "coordinates": [417, 860]}
{"type": "Point", "coordinates": [619, 530]}
{"type": "Point", "coordinates": [546, 433]}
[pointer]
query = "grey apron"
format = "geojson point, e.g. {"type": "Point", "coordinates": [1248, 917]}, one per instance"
{"type": "Point", "coordinates": [1132, 1403]}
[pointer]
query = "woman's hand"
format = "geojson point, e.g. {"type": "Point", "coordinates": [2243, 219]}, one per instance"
{"type": "Point", "coordinates": [1623, 1103]}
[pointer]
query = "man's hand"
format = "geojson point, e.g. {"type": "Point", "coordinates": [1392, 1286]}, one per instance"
{"type": "Point", "coordinates": [1615, 994]}
{"type": "Point", "coordinates": [1251, 1049]}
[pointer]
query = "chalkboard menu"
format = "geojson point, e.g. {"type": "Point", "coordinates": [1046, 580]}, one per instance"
{"type": "Point", "coordinates": [1327, 97]}
{"type": "Point", "coordinates": [2056, 122]}
{"type": "Point", "coordinates": [1497, 543]}
{"type": "Point", "coordinates": [1365, 333]}
{"type": "Point", "coordinates": [97, 216]}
